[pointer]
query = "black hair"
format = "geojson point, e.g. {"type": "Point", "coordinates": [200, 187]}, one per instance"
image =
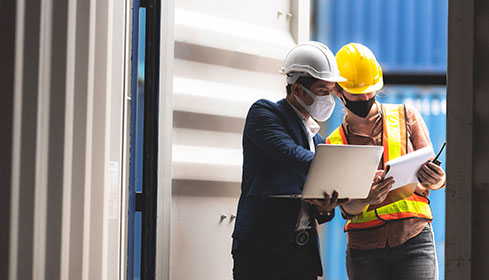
{"type": "Point", "coordinates": [306, 81]}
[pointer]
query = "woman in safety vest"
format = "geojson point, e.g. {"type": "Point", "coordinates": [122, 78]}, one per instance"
{"type": "Point", "coordinates": [389, 233]}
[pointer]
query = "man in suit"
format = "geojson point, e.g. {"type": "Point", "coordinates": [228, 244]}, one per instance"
{"type": "Point", "coordinates": [276, 238]}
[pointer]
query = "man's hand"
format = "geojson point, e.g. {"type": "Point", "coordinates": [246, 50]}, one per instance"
{"type": "Point", "coordinates": [328, 203]}
{"type": "Point", "coordinates": [431, 175]}
{"type": "Point", "coordinates": [379, 175]}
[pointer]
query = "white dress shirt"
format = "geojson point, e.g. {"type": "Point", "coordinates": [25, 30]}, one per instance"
{"type": "Point", "coordinates": [312, 127]}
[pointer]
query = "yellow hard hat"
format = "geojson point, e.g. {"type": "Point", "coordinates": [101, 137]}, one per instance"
{"type": "Point", "coordinates": [358, 65]}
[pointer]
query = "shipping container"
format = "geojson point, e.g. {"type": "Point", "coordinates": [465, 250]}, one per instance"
{"type": "Point", "coordinates": [227, 55]}
{"type": "Point", "coordinates": [405, 36]}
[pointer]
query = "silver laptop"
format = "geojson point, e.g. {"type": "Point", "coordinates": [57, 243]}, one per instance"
{"type": "Point", "coordinates": [348, 169]}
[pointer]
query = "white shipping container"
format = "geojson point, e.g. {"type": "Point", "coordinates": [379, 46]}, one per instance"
{"type": "Point", "coordinates": [227, 55]}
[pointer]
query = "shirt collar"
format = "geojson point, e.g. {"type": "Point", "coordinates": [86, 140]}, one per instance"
{"type": "Point", "coordinates": [311, 125]}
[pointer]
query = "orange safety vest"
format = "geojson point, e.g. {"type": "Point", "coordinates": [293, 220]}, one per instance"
{"type": "Point", "coordinates": [394, 141]}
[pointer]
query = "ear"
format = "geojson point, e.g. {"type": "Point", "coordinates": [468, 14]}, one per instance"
{"type": "Point", "coordinates": [297, 89]}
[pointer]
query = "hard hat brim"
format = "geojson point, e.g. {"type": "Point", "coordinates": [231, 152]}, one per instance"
{"type": "Point", "coordinates": [363, 90]}
{"type": "Point", "coordinates": [333, 79]}
{"type": "Point", "coordinates": [303, 70]}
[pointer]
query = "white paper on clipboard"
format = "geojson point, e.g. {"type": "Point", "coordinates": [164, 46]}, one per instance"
{"type": "Point", "coordinates": [405, 168]}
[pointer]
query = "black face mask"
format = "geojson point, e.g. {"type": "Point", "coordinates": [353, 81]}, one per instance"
{"type": "Point", "coordinates": [359, 108]}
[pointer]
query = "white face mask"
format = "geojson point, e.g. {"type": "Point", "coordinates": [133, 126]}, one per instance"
{"type": "Point", "coordinates": [321, 108]}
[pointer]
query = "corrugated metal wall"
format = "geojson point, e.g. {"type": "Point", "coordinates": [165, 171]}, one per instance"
{"type": "Point", "coordinates": [227, 55]}
{"type": "Point", "coordinates": [406, 36]}
{"type": "Point", "coordinates": [68, 155]}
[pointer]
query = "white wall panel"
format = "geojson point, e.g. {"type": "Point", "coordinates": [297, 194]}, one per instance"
{"type": "Point", "coordinates": [227, 55]}
{"type": "Point", "coordinates": [69, 151]}
{"type": "Point", "coordinates": [231, 34]}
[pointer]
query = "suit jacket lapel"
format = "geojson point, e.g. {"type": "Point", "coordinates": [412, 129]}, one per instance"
{"type": "Point", "coordinates": [317, 139]}
{"type": "Point", "coordinates": [294, 123]}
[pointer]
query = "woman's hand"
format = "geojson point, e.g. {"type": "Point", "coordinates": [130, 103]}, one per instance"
{"type": "Point", "coordinates": [431, 175]}
{"type": "Point", "coordinates": [379, 190]}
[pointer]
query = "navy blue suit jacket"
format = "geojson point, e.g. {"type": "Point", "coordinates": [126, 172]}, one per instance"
{"type": "Point", "coordinates": [276, 161]}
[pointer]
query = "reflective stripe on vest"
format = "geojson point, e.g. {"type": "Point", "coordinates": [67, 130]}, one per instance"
{"type": "Point", "coordinates": [394, 140]}
{"type": "Point", "coordinates": [337, 137]}
{"type": "Point", "coordinates": [415, 206]}
{"type": "Point", "coordinates": [394, 136]}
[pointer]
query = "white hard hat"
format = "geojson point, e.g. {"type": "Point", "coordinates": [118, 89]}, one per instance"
{"type": "Point", "coordinates": [311, 58]}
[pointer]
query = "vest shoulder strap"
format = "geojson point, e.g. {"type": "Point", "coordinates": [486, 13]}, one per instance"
{"type": "Point", "coordinates": [394, 131]}
{"type": "Point", "coordinates": [338, 137]}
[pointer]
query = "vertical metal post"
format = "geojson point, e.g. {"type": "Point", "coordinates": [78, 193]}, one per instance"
{"type": "Point", "coordinates": [467, 226]}
{"type": "Point", "coordinates": [150, 175]}
{"type": "Point", "coordinates": [7, 56]}
{"type": "Point", "coordinates": [133, 162]}
{"type": "Point", "coordinates": [459, 119]}
{"type": "Point", "coordinates": [165, 141]}
{"type": "Point", "coordinates": [480, 191]}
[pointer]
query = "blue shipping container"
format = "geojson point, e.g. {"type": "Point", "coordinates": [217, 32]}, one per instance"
{"type": "Point", "coordinates": [405, 36]}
